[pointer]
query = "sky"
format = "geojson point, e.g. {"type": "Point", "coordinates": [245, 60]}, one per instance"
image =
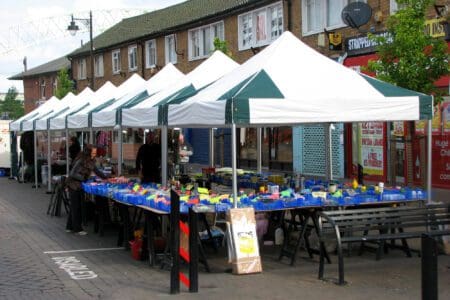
{"type": "Point", "coordinates": [36, 29]}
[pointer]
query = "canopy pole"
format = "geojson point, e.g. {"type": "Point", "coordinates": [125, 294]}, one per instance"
{"type": "Point", "coordinates": [258, 150]}
{"type": "Point", "coordinates": [91, 136]}
{"type": "Point", "coordinates": [164, 147]}
{"type": "Point", "coordinates": [328, 151]}
{"type": "Point", "coordinates": [429, 160]}
{"type": "Point", "coordinates": [22, 173]}
{"type": "Point", "coordinates": [119, 152]}
{"type": "Point", "coordinates": [35, 160]}
{"type": "Point", "coordinates": [67, 152]}
{"type": "Point", "coordinates": [234, 164]}
{"type": "Point", "coordinates": [49, 161]}
{"type": "Point", "coordinates": [211, 148]}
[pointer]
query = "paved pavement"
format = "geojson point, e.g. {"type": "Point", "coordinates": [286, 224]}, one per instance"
{"type": "Point", "coordinates": [29, 270]}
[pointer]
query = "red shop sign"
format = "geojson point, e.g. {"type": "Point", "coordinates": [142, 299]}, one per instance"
{"type": "Point", "coordinates": [441, 161]}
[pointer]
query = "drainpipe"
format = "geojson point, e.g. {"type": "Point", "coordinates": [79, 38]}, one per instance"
{"type": "Point", "coordinates": [289, 15]}
{"type": "Point", "coordinates": [142, 59]}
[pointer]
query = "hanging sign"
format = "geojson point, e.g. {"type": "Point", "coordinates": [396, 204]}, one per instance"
{"type": "Point", "coordinates": [372, 147]}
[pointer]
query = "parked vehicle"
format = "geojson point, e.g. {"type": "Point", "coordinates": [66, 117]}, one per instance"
{"type": "Point", "coordinates": [5, 147]}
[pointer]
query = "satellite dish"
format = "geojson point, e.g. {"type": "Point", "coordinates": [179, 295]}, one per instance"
{"type": "Point", "coordinates": [356, 14]}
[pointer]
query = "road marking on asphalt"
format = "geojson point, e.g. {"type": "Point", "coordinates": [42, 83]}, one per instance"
{"type": "Point", "coordinates": [74, 268]}
{"type": "Point", "coordinates": [82, 250]}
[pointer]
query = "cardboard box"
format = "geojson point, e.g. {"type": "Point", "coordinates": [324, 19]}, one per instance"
{"type": "Point", "coordinates": [247, 266]}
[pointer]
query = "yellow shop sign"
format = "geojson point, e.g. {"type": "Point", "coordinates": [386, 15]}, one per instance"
{"type": "Point", "coordinates": [434, 27]}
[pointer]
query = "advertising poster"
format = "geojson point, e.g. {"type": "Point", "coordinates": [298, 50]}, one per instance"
{"type": "Point", "coordinates": [441, 161]}
{"type": "Point", "coordinates": [417, 163]}
{"type": "Point", "coordinates": [446, 117]}
{"type": "Point", "coordinates": [398, 128]}
{"type": "Point", "coordinates": [436, 122]}
{"type": "Point", "coordinates": [372, 147]}
{"type": "Point", "coordinates": [420, 127]}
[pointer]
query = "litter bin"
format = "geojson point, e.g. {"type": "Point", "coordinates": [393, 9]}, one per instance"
{"type": "Point", "coordinates": [44, 174]}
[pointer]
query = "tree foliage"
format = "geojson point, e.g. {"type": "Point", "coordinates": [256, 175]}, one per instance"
{"type": "Point", "coordinates": [408, 57]}
{"type": "Point", "coordinates": [65, 84]}
{"type": "Point", "coordinates": [10, 106]}
{"type": "Point", "coordinates": [222, 46]}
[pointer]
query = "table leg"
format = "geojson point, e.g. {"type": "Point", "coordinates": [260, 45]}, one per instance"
{"type": "Point", "coordinates": [150, 238]}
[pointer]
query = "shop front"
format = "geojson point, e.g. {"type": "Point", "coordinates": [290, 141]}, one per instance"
{"type": "Point", "coordinates": [400, 148]}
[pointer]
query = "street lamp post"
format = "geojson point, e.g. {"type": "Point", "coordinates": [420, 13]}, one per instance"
{"type": "Point", "coordinates": [73, 28]}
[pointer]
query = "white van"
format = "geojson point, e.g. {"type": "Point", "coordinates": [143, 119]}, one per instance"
{"type": "Point", "coordinates": [5, 145]}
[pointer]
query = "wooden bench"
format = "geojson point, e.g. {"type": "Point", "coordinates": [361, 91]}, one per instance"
{"type": "Point", "coordinates": [379, 225]}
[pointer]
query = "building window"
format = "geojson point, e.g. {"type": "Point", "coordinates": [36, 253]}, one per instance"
{"type": "Point", "coordinates": [201, 40]}
{"type": "Point", "coordinates": [82, 68]}
{"type": "Point", "coordinates": [260, 27]}
{"type": "Point", "coordinates": [98, 65]}
{"type": "Point", "coordinates": [42, 88]}
{"type": "Point", "coordinates": [55, 85]}
{"type": "Point", "coordinates": [132, 58]}
{"type": "Point", "coordinates": [277, 148]}
{"type": "Point", "coordinates": [394, 6]}
{"type": "Point", "coordinates": [116, 61]}
{"type": "Point", "coordinates": [171, 55]}
{"type": "Point", "coordinates": [320, 14]}
{"type": "Point", "coordinates": [150, 51]}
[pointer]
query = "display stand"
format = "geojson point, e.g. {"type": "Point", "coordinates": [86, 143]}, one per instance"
{"type": "Point", "coordinates": [243, 249]}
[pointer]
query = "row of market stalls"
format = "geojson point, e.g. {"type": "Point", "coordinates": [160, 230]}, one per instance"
{"type": "Point", "coordinates": [286, 84]}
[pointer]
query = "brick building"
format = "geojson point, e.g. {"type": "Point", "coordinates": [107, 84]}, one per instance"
{"type": "Point", "coordinates": [183, 34]}
{"type": "Point", "coordinates": [39, 83]}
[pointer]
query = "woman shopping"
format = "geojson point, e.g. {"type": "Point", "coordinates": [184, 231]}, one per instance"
{"type": "Point", "coordinates": [83, 166]}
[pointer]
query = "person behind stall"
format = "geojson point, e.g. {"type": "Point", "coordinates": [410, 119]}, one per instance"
{"type": "Point", "coordinates": [148, 159]}
{"type": "Point", "coordinates": [184, 150]}
{"type": "Point", "coordinates": [74, 149]}
{"type": "Point", "coordinates": [83, 166]}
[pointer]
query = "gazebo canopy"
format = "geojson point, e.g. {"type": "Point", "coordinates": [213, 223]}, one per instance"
{"type": "Point", "coordinates": [290, 83]}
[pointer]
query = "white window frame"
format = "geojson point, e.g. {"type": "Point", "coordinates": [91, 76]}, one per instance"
{"type": "Point", "coordinates": [251, 34]}
{"type": "Point", "coordinates": [394, 6]}
{"type": "Point", "coordinates": [323, 10]}
{"type": "Point", "coordinates": [82, 69]}
{"type": "Point", "coordinates": [98, 66]}
{"type": "Point", "coordinates": [116, 61]}
{"type": "Point", "coordinates": [197, 49]}
{"type": "Point", "coordinates": [132, 58]}
{"type": "Point", "coordinates": [171, 54]}
{"type": "Point", "coordinates": [150, 54]}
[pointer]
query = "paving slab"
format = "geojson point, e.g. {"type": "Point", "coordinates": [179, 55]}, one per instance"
{"type": "Point", "coordinates": [28, 268]}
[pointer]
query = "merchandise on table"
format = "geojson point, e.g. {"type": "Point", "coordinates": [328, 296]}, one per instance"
{"type": "Point", "coordinates": [271, 197]}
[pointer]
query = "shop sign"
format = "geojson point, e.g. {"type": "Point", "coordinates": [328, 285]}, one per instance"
{"type": "Point", "coordinates": [362, 44]}
{"type": "Point", "coordinates": [441, 161]}
{"type": "Point", "coordinates": [434, 27]}
{"type": "Point", "coordinates": [334, 41]}
{"type": "Point", "coordinates": [398, 128]}
{"type": "Point", "coordinates": [372, 147]}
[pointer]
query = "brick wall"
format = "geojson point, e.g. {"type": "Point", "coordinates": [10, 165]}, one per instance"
{"type": "Point", "coordinates": [32, 90]}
